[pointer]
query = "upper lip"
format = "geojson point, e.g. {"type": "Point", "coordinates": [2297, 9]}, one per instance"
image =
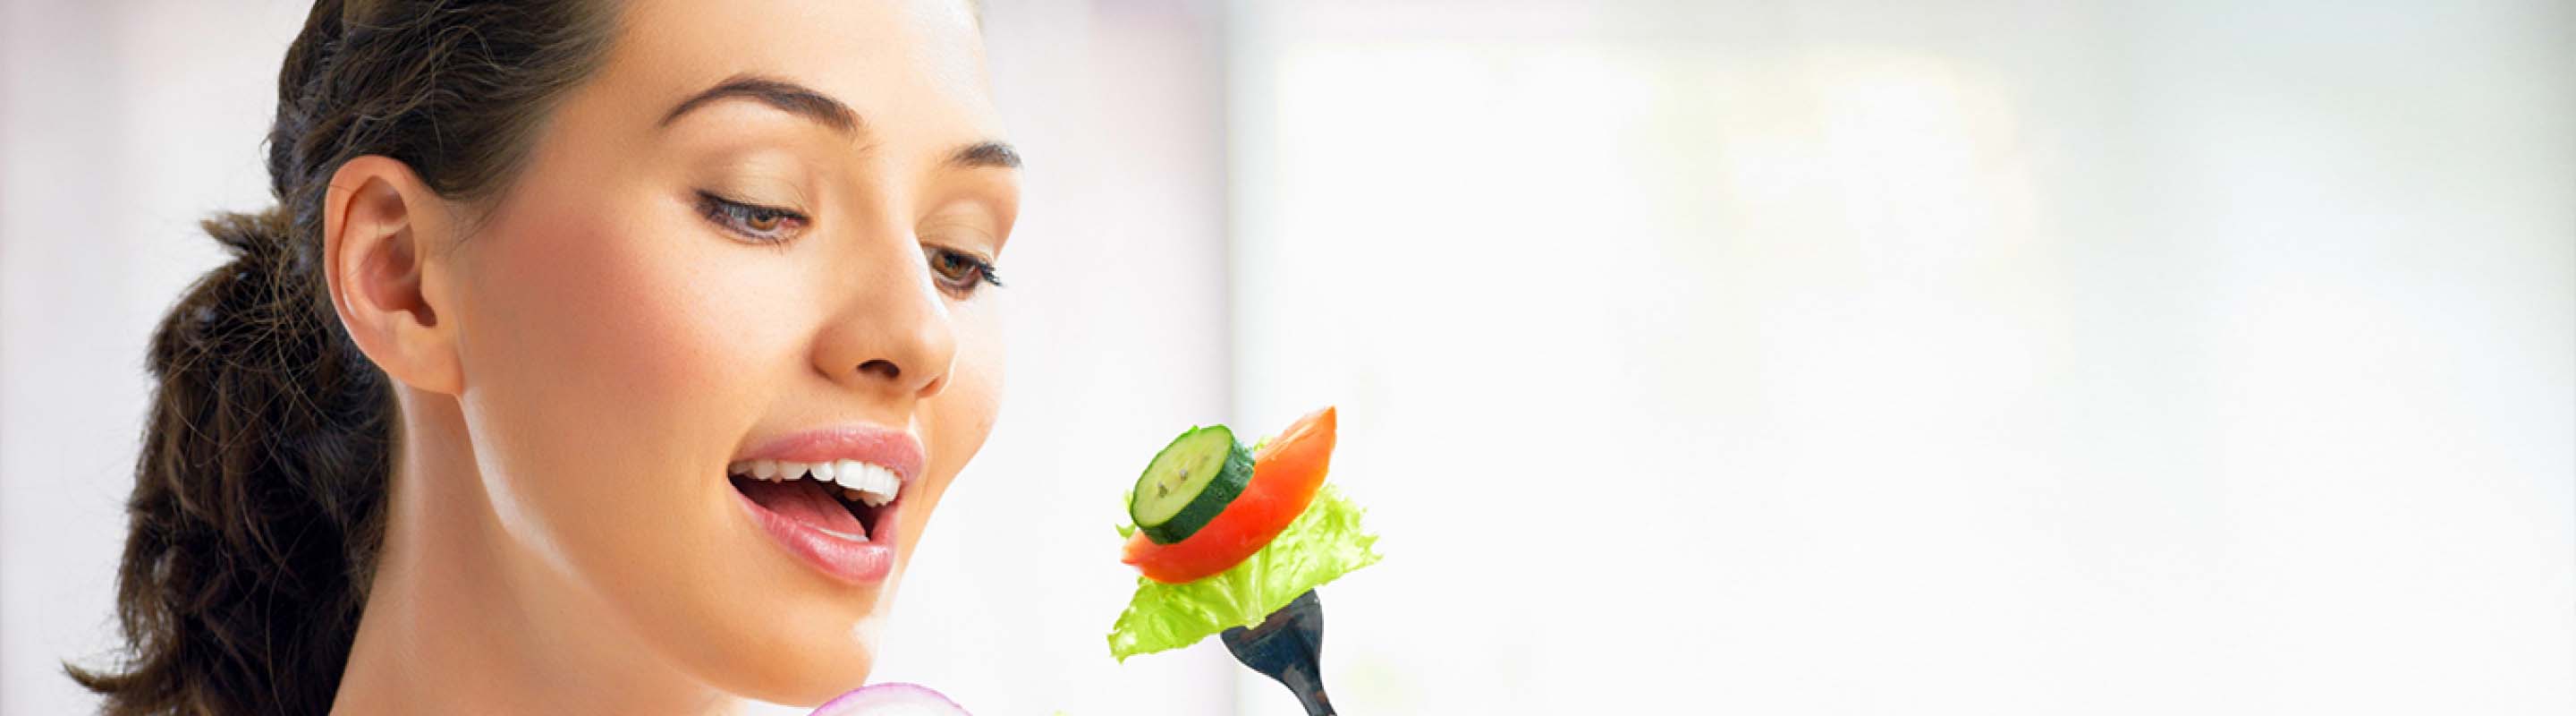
{"type": "Point", "coordinates": [892, 449]}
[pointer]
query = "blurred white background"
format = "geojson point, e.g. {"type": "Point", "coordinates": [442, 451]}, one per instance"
{"type": "Point", "coordinates": [1711, 357]}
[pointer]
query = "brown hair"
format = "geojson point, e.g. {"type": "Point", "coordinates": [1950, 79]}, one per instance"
{"type": "Point", "coordinates": [259, 497]}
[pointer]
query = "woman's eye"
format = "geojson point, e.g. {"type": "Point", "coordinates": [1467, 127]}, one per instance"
{"type": "Point", "coordinates": [751, 221]}
{"type": "Point", "coordinates": [959, 272]}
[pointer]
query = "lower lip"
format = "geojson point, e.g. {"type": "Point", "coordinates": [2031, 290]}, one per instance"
{"type": "Point", "coordinates": [845, 559]}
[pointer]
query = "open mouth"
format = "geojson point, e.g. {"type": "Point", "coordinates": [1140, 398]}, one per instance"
{"type": "Point", "coordinates": [845, 499]}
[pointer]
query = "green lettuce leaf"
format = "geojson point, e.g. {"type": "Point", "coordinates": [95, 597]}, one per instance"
{"type": "Point", "coordinates": [1320, 546]}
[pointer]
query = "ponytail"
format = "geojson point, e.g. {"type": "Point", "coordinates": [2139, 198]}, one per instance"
{"type": "Point", "coordinates": [259, 497]}
{"type": "Point", "coordinates": [260, 494]}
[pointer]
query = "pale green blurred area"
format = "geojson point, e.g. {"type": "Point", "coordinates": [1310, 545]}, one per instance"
{"type": "Point", "coordinates": [1692, 357]}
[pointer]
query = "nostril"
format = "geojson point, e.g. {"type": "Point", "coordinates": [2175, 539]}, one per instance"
{"type": "Point", "coordinates": [881, 368]}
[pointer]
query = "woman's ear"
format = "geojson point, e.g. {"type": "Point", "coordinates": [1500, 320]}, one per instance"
{"type": "Point", "coordinates": [382, 229]}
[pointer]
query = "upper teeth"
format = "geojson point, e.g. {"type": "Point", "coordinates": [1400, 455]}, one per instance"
{"type": "Point", "coordinates": [869, 483]}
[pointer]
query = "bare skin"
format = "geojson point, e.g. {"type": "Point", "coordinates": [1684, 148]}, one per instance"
{"type": "Point", "coordinates": [578, 360]}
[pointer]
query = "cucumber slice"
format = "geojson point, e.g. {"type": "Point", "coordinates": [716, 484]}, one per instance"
{"type": "Point", "coordinates": [1188, 483]}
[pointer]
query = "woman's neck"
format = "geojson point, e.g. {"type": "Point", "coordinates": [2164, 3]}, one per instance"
{"type": "Point", "coordinates": [462, 618]}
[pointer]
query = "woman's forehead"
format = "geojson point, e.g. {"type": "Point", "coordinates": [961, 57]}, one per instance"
{"type": "Point", "coordinates": [910, 73]}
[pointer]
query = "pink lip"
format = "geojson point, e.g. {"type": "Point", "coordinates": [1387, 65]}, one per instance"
{"type": "Point", "coordinates": [854, 561]}
{"type": "Point", "coordinates": [895, 450]}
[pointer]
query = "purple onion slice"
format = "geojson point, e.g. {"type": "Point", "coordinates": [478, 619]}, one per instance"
{"type": "Point", "coordinates": [891, 699]}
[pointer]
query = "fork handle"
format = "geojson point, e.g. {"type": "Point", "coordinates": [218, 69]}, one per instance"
{"type": "Point", "coordinates": [1309, 691]}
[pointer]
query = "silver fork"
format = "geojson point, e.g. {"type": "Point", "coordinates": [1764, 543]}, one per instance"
{"type": "Point", "coordinates": [1288, 646]}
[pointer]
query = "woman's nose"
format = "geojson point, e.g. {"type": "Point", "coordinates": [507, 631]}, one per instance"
{"type": "Point", "coordinates": [892, 334]}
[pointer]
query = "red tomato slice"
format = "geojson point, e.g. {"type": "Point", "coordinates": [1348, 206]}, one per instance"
{"type": "Point", "coordinates": [1285, 475]}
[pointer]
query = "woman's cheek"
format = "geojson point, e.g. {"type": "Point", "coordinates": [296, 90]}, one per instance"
{"type": "Point", "coordinates": [961, 416]}
{"type": "Point", "coordinates": [608, 365]}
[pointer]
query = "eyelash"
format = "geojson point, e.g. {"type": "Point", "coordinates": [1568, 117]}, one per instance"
{"type": "Point", "coordinates": [978, 271]}
{"type": "Point", "coordinates": [972, 272]}
{"type": "Point", "coordinates": [738, 218]}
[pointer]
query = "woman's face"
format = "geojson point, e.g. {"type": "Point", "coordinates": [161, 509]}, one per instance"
{"type": "Point", "coordinates": [760, 230]}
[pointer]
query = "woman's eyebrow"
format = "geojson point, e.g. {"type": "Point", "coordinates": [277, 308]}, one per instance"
{"type": "Point", "coordinates": [822, 109]}
{"type": "Point", "coordinates": [985, 154]}
{"type": "Point", "coordinates": [791, 97]}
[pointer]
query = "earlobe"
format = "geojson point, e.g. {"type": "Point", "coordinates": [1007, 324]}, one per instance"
{"type": "Point", "coordinates": [380, 227]}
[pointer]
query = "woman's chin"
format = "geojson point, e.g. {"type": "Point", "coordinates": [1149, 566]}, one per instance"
{"type": "Point", "coordinates": [810, 682]}
{"type": "Point", "coordinates": [831, 683]}
{"type": "Point", "coordinates": [795, 649]}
